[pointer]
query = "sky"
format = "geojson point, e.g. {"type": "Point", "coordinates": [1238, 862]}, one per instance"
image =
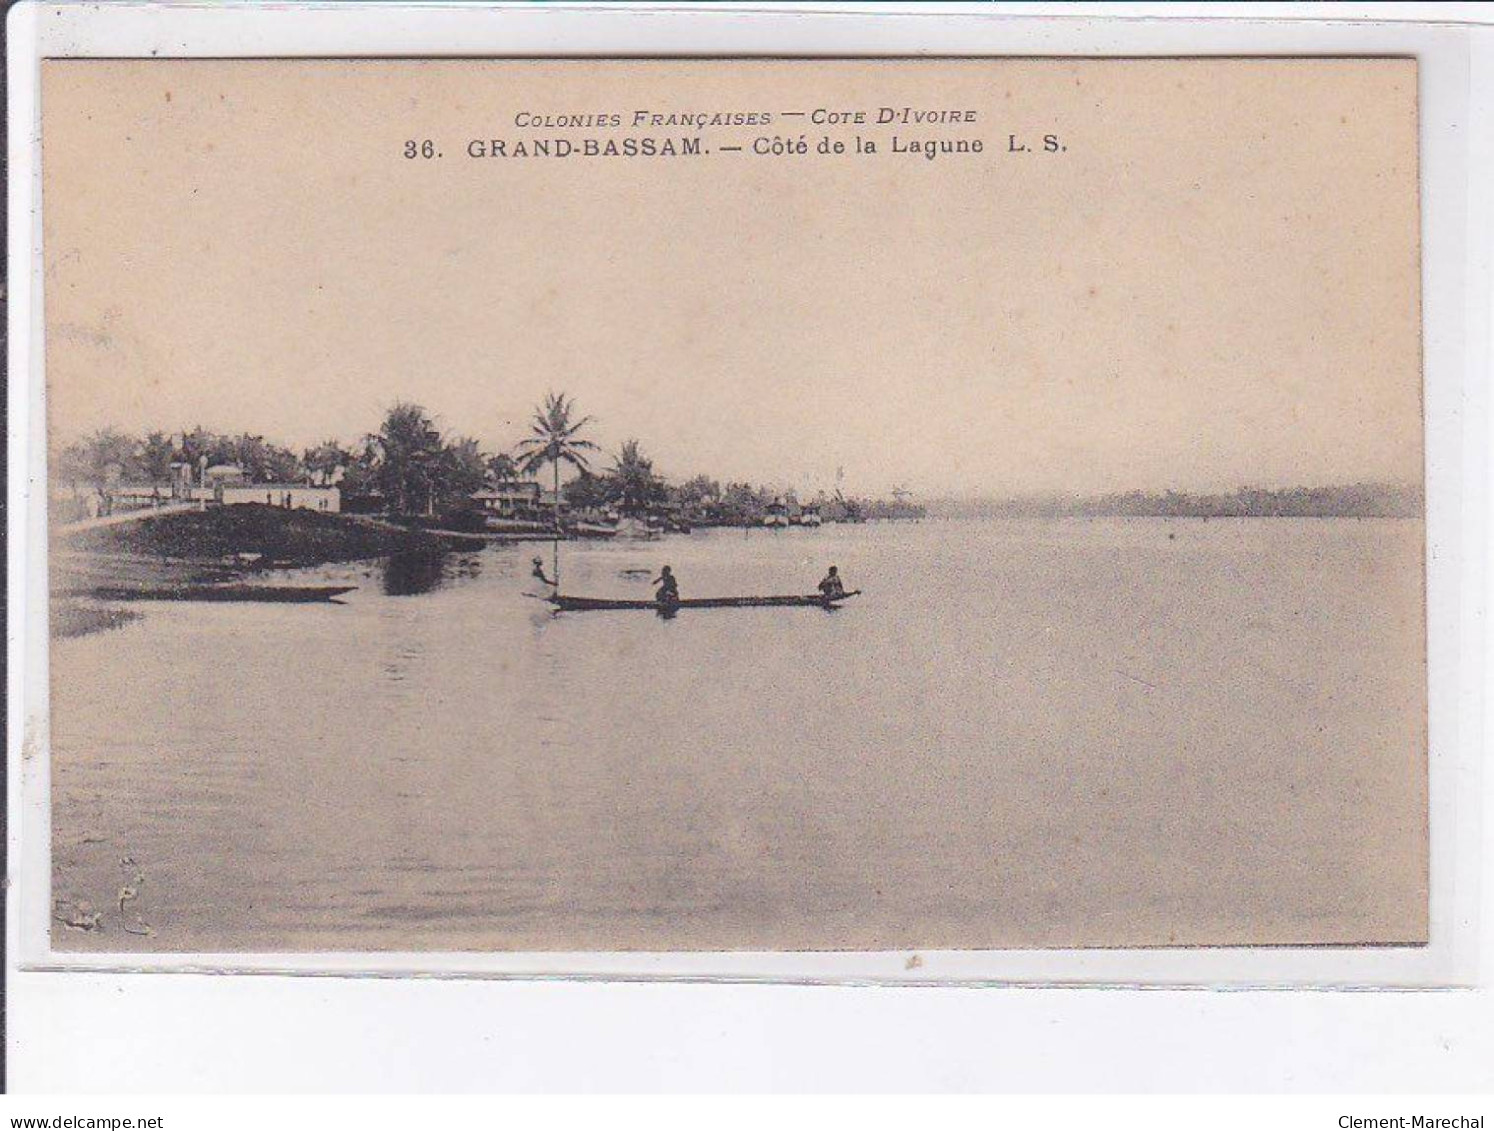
{"type": "Point", "coordinates": [1213, 284]}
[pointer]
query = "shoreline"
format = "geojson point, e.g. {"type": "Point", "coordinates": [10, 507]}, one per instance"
{"type": "Point", "coordinates": [163, 556]}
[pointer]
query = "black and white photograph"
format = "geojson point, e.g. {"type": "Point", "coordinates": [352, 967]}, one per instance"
{"type": "Point", "coordinates": [720, 505]}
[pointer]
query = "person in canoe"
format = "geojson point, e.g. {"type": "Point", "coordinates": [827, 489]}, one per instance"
{"type": "Point", "coordinates": [832, 588]}
{"type": "Point", "coordinates": [669, 588]}
{"type": "Point", "coordinates": [539, 572]}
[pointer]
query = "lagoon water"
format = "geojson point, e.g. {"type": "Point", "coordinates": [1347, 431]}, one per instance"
{"type": "Point", "coordinates": [1037, 732]}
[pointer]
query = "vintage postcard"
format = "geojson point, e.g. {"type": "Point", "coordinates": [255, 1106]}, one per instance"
{"type": "Point", "coordinates": [710, 504]}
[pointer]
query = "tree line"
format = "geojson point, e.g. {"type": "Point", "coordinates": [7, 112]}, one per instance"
{"type": "Point", "coordinates": [1353, 500]}
{"type": "Point", "coordinates": [411, 467]}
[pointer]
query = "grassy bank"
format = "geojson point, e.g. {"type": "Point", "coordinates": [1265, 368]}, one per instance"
{"type": "Point", "coordinates": [250, 535]}
{"type": "Point", "coordinates": [217, 546]}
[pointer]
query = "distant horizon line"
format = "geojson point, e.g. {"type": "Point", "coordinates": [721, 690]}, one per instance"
{"type": "Point", "coordinates": [1056, 494]}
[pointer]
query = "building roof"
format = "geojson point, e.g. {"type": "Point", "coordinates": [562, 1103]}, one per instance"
{"type": "Point", "coordinates": [278, 487]}
{"type": "Point", "coordinates": [507, 491]}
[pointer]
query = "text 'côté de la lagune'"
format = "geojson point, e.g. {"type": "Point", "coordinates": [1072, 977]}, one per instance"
{"type": "Point", "coordinates": [787, 133]}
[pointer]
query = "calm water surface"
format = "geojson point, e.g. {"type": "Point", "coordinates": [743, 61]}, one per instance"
{"type": "Point", "coordinates": [1025, 732]}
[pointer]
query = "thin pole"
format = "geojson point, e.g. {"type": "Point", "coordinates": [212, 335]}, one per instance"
{"type": "Point", "coordinates": [555, 546]}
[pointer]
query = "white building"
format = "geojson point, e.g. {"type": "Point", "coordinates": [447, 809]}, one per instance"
{"type": "Point", "coordinates": [292, 496]}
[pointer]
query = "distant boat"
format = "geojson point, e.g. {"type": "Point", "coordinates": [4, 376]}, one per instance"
{"type": "Point", "coordinates": [612, 525]}
{"type": "Point", "coordinates": [777, 516]}
{"type": "Point", "coordinates": [517, 526]}
{"type": "Point", "coordinates": [636, 528]}
{"type": "Point", "coordinates": [810, 516]}
{"type": "Point", "coordinates": [583, 529]}
{"type": "Point", "coordinates": [565, 603]}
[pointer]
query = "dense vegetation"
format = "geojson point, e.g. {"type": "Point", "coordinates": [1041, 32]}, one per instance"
{"type": "Point", "coordinates": [409, 467]}
{"type": "Point", "coordinates": [1357, 500]}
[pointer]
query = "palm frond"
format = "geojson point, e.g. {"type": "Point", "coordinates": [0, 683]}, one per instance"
{"type": "Point", "coordinates": [553, 436]}
{"type": "Point", "coordinates": [533, 462]}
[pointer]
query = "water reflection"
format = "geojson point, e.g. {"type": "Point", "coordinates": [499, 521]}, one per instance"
{"type": "Point", "coordinates": [751, 777]}
{"type": "Point", "coordinates": [419, 571]}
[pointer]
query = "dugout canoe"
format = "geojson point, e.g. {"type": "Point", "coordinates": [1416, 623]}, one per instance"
{"type": "Point", "coordinates": [275, 594]}
{"type": "Point", "coordinates": [565, 603]}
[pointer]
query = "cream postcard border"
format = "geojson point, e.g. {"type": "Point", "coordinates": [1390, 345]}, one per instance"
{"type": "Point", "coordinates": [1455, 97]}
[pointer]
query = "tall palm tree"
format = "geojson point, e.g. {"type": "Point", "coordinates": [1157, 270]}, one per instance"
{"type": "Point", "coordinates": [555, 440]}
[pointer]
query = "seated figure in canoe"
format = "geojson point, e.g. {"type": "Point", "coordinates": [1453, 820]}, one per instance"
{"type": "Point", "coordinates": [669, 588]}
{"type": "Point", "coordinates": [667, 600]}
{"type": "Point", "coordinates": [832, 588]}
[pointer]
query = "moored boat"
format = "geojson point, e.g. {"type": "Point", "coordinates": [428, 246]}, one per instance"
{"type": "Point", "coordinates": [636, 528]}
{"type": "Point", "coordinates": [777, 516]}
{"type": "Point", "coordinates": [591, 530]}
{"type": "Point", "coordinates": [277, 594]}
